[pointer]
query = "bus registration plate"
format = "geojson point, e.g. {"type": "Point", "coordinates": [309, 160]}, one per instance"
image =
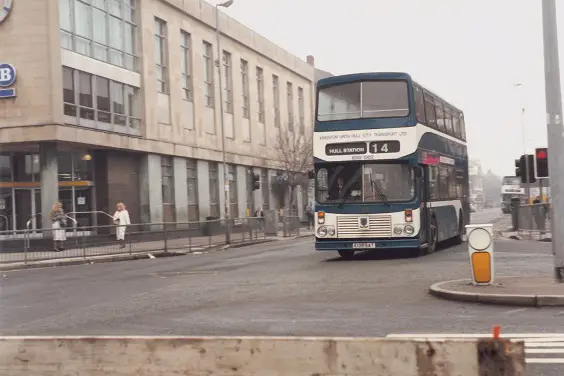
{"type": "Point", "coordinates": [364, 245]}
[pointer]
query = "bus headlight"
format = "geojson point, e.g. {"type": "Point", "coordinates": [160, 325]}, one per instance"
{"type": "Point", "coordinates": [322, 231]}
{"type": "Point", "coordinates": [331, 231]}
{"type": "Point", "coordinates": [398, 230]}
{"type": "Point", "coordinates": [409, 230]}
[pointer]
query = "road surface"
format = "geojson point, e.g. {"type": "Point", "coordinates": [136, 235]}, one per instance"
{"type": "Point", "coordinates": [282, 288]}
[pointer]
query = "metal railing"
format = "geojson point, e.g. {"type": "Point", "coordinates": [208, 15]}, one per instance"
{"type": "Point", "coordinates": [532, 220]}
{"type": "Point", "coordinates": [183, 237]}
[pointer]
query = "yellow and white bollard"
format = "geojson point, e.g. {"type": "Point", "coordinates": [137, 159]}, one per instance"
{"type": "Point", "coordinates": [481, 251]}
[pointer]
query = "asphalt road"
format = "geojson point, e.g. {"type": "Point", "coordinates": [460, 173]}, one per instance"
{"type": "Point", "coordinates": [282, 288]}
{"type": "Point", "coordinates": [486, 215]}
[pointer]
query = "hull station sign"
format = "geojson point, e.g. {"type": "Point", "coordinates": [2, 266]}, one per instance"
{"type": "Point", "coordinates": [350, 148]}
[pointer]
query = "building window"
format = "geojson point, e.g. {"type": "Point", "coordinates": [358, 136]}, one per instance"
{"type": "Point", "coordinates": [208, 74]}
{"type": "Point", "coordinates": [108, 103]}
{"type": "Point", "coordinates": [264, 187]}
{"type": "Point", "coordinates": [260, 94]}
{"type": "Point", "coordinates": [85, 99]}
{"type": "Point", "coordinates": [290, 102]}
{"type": "Point", "coordinates": [167, 181]}
{"type": "Point", "coordinates": [214, 189]}
{"type": "Point", "coordinates": [186, 65]}
{"type": "Point", "coordinates": [69, 92]}
{"type": "Point", "coordinates": [245, 87]}
{"type": "Point", "coordinates": [233, 199]}
{"type": "Point", "coordinates": [276, 97]}
{"type": "Point", "coordinates": [228, 85]}
{"type": "Point", "coordinates": [192, 187]}
{"type": "Point", "coordinates": [104, 111]}
{"type": "Point", "coordinates": [103, 30]}
{"type": "Point", "coordinates": [161, 55]}
{"type": "Point", "coordinates": [301, 109]}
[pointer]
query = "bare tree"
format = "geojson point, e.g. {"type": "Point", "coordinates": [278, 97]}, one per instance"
{"type": "Point", "coordinates": [295, 160]}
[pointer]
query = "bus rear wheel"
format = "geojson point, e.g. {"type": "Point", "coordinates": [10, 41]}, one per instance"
{"type": "Point", "coordinates": [346, 255]}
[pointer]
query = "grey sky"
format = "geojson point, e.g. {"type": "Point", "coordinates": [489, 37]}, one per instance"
{"type": "Point", "coordinates": [470, 52]}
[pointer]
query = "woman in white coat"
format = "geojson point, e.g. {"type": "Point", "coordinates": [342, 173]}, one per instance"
{"type": "Point", "coordinates": [58, 223]}
{"type": "Point", "coordinates": [121, 220]}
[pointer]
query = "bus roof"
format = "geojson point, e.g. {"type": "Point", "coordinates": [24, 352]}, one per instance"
{"type": "Point", "coordinates": [345, 78]}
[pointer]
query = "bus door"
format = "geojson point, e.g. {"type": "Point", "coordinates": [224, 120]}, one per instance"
{"type": "Point", "coordinates": [424, 203]}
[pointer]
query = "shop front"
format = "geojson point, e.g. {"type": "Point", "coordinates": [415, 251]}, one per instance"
{"type": "Point", "coordinates": [20, 190]}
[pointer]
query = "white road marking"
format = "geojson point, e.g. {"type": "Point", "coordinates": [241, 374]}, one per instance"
{"type": "Point", "coordinates": [536, 344]}
{"type": "Point", "coordinates": [515, 310]}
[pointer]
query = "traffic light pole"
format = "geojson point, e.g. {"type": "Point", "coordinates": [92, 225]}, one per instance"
{"type": "Point", "coordinates": [555, 133]}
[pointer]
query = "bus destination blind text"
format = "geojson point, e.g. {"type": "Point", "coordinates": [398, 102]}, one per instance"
{"type": "Point", "coordinates": [351, 148]}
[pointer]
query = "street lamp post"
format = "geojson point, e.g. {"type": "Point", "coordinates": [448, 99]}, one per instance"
{"type": "Point", "coordinates": [523, 133]}
{"type": "Point", "coordinates": [555, 132]}
{"type": "Point", "coordinates": [226, 182]}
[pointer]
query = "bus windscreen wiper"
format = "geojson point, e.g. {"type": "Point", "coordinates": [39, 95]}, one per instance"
{"type": "Point", "coordinates": [377, 188]}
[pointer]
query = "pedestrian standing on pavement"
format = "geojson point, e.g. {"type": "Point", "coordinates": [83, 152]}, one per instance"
{"type": "Point", "coordinates": [121, 220]}
{"type": "Point", "coordinates": [310, 211]}
{"type": "Point", "coordinates": [58, 223]}
{"type": "Point", "coordinates": [259, 214]}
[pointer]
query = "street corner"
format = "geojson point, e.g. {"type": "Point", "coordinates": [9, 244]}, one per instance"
{"type": "Point", "coordinates": [526, 291]}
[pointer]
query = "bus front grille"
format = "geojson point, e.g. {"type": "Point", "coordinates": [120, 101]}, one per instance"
{"type": "Point", "coordinates": [379, 226]}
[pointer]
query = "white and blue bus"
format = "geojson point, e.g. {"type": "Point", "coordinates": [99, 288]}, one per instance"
{"type": "Point", "coordinates": [391, 165]}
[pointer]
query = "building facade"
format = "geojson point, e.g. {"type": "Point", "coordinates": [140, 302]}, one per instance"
{"type": "Point", "coordinates": [120, 100]}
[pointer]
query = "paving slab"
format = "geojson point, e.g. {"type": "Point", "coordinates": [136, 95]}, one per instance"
{"type": "Point", "coordinates": [531, 291]}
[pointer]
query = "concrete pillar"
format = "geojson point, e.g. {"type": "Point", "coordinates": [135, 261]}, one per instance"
{"type": "Point", "coordinates": [300, 203]}
{"type": "Point", "coordinates": [150, 190]}
{"type": "Point", "coordinates": [257, 195]}
{"type": "Point", "coordinates": [49, 175]}
{"type": "Point", "coordinates": [180, 191]}
{"type": "Point", "coordinates": [273, 201]}
{"type": "Point", "coordinates": [242, 191]}
{"type": "Point", "coordinates": [221, 191]}
{"type": "Point", "coordinates": [203, 189]}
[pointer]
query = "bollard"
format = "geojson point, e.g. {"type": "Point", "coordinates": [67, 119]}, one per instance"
{"type": "Point", "coordinates": [480, 249]}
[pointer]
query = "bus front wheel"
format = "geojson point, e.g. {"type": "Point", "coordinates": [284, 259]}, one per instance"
{"type": "Point", "coordinates": [433, 237]}
{"type": "Point", "coordinates": [347, 255]}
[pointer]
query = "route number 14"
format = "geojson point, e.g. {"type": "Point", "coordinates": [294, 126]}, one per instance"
{"type": "Point", "coordinates": [377, 147]}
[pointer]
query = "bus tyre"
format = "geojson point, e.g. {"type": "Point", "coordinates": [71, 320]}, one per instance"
{"type": "Point", "coordinates": [434, 237]}
{"type": "Point", "coordinates": [458, 239]}
{"type": "Point", "coordinates": [347, 255]}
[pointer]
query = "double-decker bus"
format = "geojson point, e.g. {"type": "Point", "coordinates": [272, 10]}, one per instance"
{"type": "Point", "coordinates": [391, 165]}
{"type": "Point", "coordinates": [510, 188]}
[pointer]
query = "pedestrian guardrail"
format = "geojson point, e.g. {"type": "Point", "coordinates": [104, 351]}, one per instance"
{"type": "Point", "coordinates": [90, 241]}
{"type": "Point", "coordinates": [532, 220]}
{"type": "Point", "coordinates": [253, 356]}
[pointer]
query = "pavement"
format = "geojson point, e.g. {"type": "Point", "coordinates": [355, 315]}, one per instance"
{"type": "Point", "coordinates": [133, 251]}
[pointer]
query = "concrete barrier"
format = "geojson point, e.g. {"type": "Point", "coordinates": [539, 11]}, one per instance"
{"type": "Point", "coordinates": [253, 356]}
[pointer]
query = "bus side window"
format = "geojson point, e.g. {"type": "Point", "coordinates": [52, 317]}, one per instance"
{"type": "Point", "coordinates": [462, 127]}
{"type": "Point", "coordinates": [448, 120]}
{"type": "Point", "coordinates": [430, 111]}
{"type": "Point", "coordinates": [433, 183]}
{"type": "Point", "coordinates": [456, 124]}
{"type": "Point", "coordinates": [444, 193]}
{"type": "Point", "coordinates": [419, 105]}
{"type": "Point", "coordinates": [440, 115]}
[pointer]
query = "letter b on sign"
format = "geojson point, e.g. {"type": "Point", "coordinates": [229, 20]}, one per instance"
{"type": "Point", "coordinates": [7, 75]}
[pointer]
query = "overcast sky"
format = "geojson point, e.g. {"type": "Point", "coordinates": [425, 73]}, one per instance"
{"type": "Point", "coordinates": [470, 52]}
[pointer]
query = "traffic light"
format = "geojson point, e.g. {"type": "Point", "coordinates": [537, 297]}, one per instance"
{"type": "Point", "coordinates": [541, 163]}
{"type": "Point", "coordinates": [521, 168]}
{"type": "Point", "coordinates": [256, 181]}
